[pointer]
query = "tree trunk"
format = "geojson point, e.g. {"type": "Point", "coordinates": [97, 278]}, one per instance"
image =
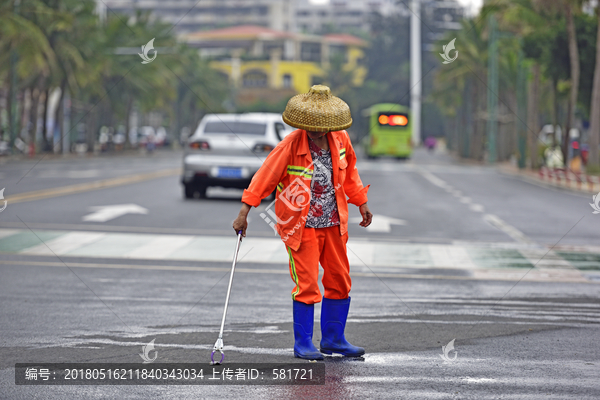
{"type": "Point", "coordinates": [594, 140]}
{"type": "Point", "coordinates": [575, 70]}
{"type": "Point", "coordinates": [58, 115]}
{"type": "Point", "coordinates": [128, 121]}
{"type": "Point", "coordinates": [38, 100]}
{"type": "Point", "coordinates": [9, 107]}
{"type": "Point", "coordinates": [532, 116]}
{"type": "Point", "coordinates": [92, 127]}
{"type": "Point", "coordinates": [554, 92]}
{"type": "Point", "coordinates": [33, 116]}
{"type": "Point", "coordinates": [45, 142]}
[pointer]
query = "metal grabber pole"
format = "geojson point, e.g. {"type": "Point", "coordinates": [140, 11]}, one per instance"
{"type": "Point", "coordinates": [219, 342]}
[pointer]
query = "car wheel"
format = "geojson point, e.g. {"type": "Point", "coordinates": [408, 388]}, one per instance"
{"type": "Point", "coordinates": [202, 191]}
{"type": "Point", "coordinates": [188, 192]}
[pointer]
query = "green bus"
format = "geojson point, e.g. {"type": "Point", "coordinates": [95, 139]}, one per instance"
{"type": "Point", "coordinates": [390, 132]}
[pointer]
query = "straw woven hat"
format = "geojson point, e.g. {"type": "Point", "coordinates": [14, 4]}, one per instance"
{"type": "Point", "coordinates": [317, 111]}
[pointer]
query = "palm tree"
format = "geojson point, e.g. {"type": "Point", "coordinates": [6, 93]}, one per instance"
{"type": "Point", "coordinates": [521, 18]}
{"type": "Point", "coordinates": [459, 87]}
{"type": "Point", "coordinates": [594, 159]}
{"type": "Point", "coordinates": [569, 8]}
{"type": "Point", "coordinates": [24, 49]}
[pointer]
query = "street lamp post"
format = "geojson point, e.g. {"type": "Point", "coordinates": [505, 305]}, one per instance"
{"type": "Point", "coordinates": [415, 71]}
{"type": "Point", "coordinates": [492, 93]}
{"type": "Point", "coordinates": [14, 120]}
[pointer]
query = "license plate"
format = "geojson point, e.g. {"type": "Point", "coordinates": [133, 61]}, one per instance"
{"type": "Point", "coordinates": [229, 173]}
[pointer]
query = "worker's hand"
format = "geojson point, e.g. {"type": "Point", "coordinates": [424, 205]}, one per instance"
{"type": "Point", "coordinates": [366, 215]}
{"type": "Point", "coordinates": [241, 222]}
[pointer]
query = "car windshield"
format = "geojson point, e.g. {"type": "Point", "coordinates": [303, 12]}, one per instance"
{"type": "Point", "coordinates": [237, 128]}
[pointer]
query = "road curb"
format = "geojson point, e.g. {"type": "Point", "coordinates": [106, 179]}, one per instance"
{"type": "Point", "coordinates": [578, 183]}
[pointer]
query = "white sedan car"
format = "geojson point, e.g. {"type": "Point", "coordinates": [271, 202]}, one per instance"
{"type": "Point", "coordinates": [227, 149]}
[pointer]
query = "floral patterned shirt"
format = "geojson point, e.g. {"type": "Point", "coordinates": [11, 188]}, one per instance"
{"type": "Point", "coordinates": [323, 211]}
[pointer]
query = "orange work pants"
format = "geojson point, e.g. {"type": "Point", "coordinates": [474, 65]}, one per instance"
{"type": "Point", "coordinates": [327, 246]}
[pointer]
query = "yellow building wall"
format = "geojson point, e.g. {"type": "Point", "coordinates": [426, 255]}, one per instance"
{"type": "Point", "coordinates": [302, 72]}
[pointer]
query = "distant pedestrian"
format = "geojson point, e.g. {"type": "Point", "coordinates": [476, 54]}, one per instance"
{"type": "Point", "coordinates": [314, 172]}
{"type": "Point", "coordinates": [151, 143]}
{"type": "Point", "coordinates": [430, 143]}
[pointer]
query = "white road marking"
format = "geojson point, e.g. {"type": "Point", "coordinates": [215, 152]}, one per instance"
{"type": "Point", "coordinates": [106, 213]}
{"type": "Point", "coordinates": [444, 256]}
{"type": "Point", "coordinates": [510, 230]}
{"type": "Point", "coordinates": [361, 255]}
{"type": "Point", "coordinates": [536, 255]}
{"type": "Point", "coordinates": [8, 232]}
{"type": "Point", "coordinates": [380, 223]}
{"type": "Point", "coordinates": [434, 179]}
{"type": "Point", "coordinates": [476, 208]}
{"type": "Point", "coordinates": [160, 247]}
{"type": "Point", "coordinates": [385, 258]}
{"type": "Point", "coordinates": [64, 244]}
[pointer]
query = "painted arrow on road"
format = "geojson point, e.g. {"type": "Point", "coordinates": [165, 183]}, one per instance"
{"type": "Point", "coordinates": [381, 223]}
{"type": "Point", "coordinates": [106, 213]}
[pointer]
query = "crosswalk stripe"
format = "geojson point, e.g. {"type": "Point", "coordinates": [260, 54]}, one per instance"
{"type": "Point", "coordinates": [160, 247]}
{"type": "Point", "coordinates": [450, 256]}
{"type": "Point", "coordinates": [111, 245]}
{"type": "Point", "coordinates": [364, 256]}
{"type": "Point", "coordinates": [65, 243]}
{"type": "Point", "coordinates": [7, 232]}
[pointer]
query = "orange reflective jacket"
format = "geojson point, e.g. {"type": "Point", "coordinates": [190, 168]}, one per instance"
{"type": "Point", "coordinates": [289, 168]}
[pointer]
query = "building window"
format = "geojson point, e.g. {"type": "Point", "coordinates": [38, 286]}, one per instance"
{"type": "Point", "coordinates": [254, 78]}
{"type": "Point", "coordinates": [287, 81]}
{"type": "Point", "coordinates": [310, 52]}
{"type": "Point", "coordinates": [338, 52]}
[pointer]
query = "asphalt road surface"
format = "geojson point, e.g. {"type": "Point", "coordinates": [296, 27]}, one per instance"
{"type": "Point", "coordinates": [100, 256]}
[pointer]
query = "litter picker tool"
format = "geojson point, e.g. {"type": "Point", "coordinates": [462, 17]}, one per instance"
{"type": "Point", "coordinates": [219, 342]}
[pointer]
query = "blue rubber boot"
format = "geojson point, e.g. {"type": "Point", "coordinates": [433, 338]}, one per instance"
{"type": "Point", "coordinates": [333, 324]}
{"type": "Point", "coordinates": [304, 319]}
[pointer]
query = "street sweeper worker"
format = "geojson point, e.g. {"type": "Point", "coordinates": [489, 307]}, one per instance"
{"type": "Point", "coordinates": [314, 172]}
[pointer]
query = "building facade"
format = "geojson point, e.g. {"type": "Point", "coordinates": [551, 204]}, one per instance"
{"type": "Point", "coordinates": [194, 15]}
{"type": "Point", "coordinates": [340, 15]}
{"type": "Point", "coordinates": [257, 57]}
